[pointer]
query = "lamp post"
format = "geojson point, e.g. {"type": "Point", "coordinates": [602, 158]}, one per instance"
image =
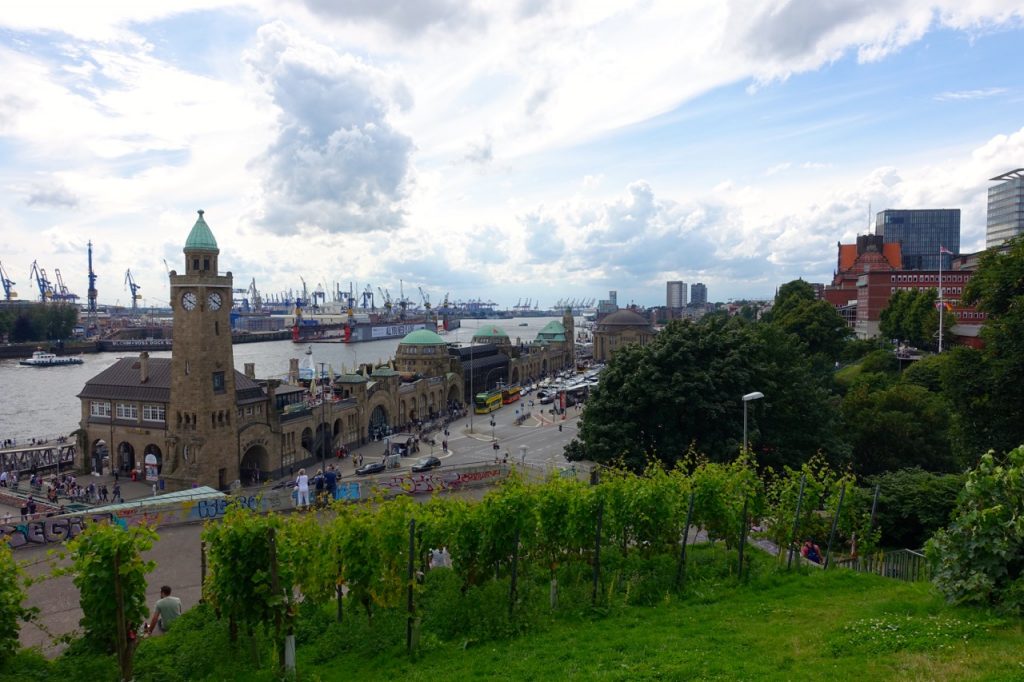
{"type": "Point", "coordinates": [756, 395]}
{"type": "Point", "coordinates": [323, 420]}
{"type": "Point", "coordinates": [472, 398]}
{"type": "Point", "coordinates": [492, 428]}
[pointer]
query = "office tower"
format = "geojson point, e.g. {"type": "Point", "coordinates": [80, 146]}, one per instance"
{"type": "Point", "coordinates": [1005, 208]}
{"type": "Point", "coordinates": [675, 295]}
{"type": "Point", "coordinates": [920, 234]}
{"type": "Point", "coordinates": [698, 295]}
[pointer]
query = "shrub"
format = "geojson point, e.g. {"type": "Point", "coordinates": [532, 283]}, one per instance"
{"type": "Point", "coordinates": [11, 596]}
{"type": "Point", "coordinates": [913, 504]}
{"type": "Point", "coordinates": [979, 558]}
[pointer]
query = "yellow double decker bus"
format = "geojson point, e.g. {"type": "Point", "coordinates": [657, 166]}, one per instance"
{"type": "Point", "coordinates": [487, 402]}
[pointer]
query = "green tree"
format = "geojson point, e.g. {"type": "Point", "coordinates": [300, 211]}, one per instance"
{"type": "Point", "coordinates": [11, 597]}
{"type": "Point", "coordinates": [997, 408]}
{"type": "Point", "coordinates": [110, 574]}
{"type": "Point", "coordinates": [900, 426]}
{"type": "Point", "coordinates": [913, 504]}
{"type": "Point", "coordinates": [979, 557]}
{"type": "Point", "coordinates": [684, 389]}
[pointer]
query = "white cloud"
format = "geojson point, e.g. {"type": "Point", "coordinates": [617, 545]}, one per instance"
{"type": "Point", "coordinates": [337, 164]}
{"type": "Point", "coordinates": [960, 95]}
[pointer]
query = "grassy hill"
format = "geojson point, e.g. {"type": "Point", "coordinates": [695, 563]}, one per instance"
{"type": "Point", "coordinates": [777, 626]}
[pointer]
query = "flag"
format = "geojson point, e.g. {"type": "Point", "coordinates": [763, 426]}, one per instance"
{"type": "Point", "coordinates": [943, 249]}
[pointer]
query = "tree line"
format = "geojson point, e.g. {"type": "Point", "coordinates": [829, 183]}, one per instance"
{"type": "Point", "coordinates": [38, 322]}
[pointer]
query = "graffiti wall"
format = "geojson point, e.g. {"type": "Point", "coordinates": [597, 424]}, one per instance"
{"type": "Point", "coordinates": [56, 529]}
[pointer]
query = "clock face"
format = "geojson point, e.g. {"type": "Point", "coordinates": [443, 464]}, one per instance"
{"type": "Point", "coordinates": [214, 301]}
{"type": "Point", "coordinates": [189, 300]}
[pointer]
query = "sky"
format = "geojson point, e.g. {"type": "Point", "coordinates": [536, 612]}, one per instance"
{"type": "Point", "coordinates": [501, 151]}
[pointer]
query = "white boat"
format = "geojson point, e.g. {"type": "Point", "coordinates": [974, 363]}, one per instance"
{"type": "Point", "coordinates": [41, 358]}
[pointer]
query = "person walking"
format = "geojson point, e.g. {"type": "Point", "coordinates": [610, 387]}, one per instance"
{"type": "Point", "coordinates": [165, 611]}
{"type": "Point", "coordinates": [331, 483]}
{"type": "Point", "coordinates": [302, 488]}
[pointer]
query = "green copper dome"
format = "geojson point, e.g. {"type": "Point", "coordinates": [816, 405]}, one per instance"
{"type": "Point", "coordinates": [200, 237]}
{"type": "Point", "coordinates": [490, 331]}
{"type": "Point", "coordinates": [423, 337]}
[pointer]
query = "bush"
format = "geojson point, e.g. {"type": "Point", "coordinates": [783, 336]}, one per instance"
{"type": "Point", "coordinates": [913, 504]}
{"type": "Point", "coordinates": [884, 361]}
{"type": "Point", "coordinates": [11, 596]}
{"type": "Point", "coordinates": [979, 558]}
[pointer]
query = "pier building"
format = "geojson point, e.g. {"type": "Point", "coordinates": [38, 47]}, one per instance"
{"type": "Point", "coordinates": [193, 419]}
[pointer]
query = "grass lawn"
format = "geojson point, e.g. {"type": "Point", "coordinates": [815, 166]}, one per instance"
{"type": "Point", "coordinates": [838, 625]}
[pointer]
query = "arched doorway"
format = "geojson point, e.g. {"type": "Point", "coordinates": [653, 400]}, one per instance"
{"type": "Point", "coordinates": [324, 441]}
{"type": "Point", "coordinates": [153, 459]}
{"type": "Point", "coordinates": [544, 367]}
{"type": "Point", "coordinates": [307, 439]}
{"type": "Point", "coordinates": [379, 427]}
{"type": "Point", "coordinates": [453, 394]}
{"type": "Point", "coordinates": [515, 375]}
{"type": "Point", "coordinates": [125, 456]}
{"type": "Point", "coordinates": [255, 465]}
{"type": "Point", "coordinates": [99, 456]}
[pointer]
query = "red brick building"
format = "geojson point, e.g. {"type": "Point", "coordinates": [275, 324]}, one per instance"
{"type": "Point", "coordinates": [868, 273]}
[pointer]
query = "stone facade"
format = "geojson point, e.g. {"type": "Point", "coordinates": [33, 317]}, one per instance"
{"type": "Point", "coordinates": [620, 329]}
{"type": "Point", "coordinates": [201, 422]}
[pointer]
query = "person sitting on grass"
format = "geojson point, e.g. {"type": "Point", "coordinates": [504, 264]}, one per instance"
{"type": "Point", "coordinates": [811, 551]}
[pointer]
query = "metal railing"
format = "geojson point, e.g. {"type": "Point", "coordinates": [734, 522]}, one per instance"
{"type": "Point", "coordinates": [901, 564]}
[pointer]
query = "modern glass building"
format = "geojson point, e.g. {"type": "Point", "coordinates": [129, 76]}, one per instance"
{"type": "Point", "coordinates": [675, 295]}
{"type": "Point", "coordinates": [1005, 208]}
{"type": "Point", "coordinates": [921, 233]}
{"type": "Point", "coordinates": [698, 295]}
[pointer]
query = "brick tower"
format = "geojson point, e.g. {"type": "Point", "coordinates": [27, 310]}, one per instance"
{"type": "Point", "coordinates": [203, 401]}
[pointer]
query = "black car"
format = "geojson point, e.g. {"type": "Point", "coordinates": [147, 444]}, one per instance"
{"type": "Point", "coordinates": [426, 463]}
{"type": "Point", "coordinates": [371, 468]}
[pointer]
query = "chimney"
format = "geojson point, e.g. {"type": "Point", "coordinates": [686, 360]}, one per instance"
{"type": "Point", "coordinates": [250, 370]}
{"type": "Point", "coordinates": [143, 367]}
{"type": "Point", "coordinates": [293, 371]}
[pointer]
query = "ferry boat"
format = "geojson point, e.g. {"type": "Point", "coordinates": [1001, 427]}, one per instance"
{"type": "Point", "coordinates": [41, 358]}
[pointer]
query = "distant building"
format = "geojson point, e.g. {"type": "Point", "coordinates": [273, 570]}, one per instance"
{"type": "Point", "coordinates": [698, 295]}
{"type": "Point", "coordinates": [1005, 208]}
{"type": "Point", "coordinates": [620, 329]}
{"type": "Point", "coordinates": [609, 305]}
{"type": "Point", "coordinates": [921, 233]}
{"type": "Point", "coordinates": [675, 295]}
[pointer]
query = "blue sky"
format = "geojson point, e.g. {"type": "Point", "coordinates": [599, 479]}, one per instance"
{"type": "Point", "coordinates": [496, 151]}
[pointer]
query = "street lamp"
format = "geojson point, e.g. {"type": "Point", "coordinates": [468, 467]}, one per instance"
{"type": "Point", "coordinates": [472, 396]}
{"type": "Point", "coordinates": [492, 428]}
{"type": "Point", "coordinates": [323, 421]}
{"type": "Point", "coordinates": [756, 395]}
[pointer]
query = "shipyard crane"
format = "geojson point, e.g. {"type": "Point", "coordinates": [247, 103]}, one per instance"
{"type": "Point", "coordinates": [129, 283]}
{"type": "Point", "coordinates": [305, 293]}
{"type": "Point", "coordinates": [63, 293]}
{"type": "Point", "coordinates": [425, 298]}
{"type": "Point", "coordinates": [368, 295]}
{"type": "Point", "coordinates": [385, 296]}
{"type": "Point", "coordinates": [255, 300]}
{"type": "Point", "coordinates": [43, 284]}
{"type": "Point", "coordinates": [8, 284]}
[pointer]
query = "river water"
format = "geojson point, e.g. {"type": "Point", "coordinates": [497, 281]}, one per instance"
{"type": "Point", "coordinates": [41, 402]}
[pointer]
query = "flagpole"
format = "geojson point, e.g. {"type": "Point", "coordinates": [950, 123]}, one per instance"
{"type": "Point", "coordinates": [941, 304]}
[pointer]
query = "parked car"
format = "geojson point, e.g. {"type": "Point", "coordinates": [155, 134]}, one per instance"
{"type": "Point", "coordinates": [371, 468]}
{"type": "Point", "coordinates": [426, 463]}
{"type": "Point", "coordinates": [547, 399]}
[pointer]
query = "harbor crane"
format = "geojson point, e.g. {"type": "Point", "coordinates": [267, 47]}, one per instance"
{"type": "Point", "coordinates": [63, 293]}
{"type": "Point", "coordinates": [42, 283]}
{"type": "Point", "coordinates": [129, 283]}
{"type": "Point", "coordinates": [385, 296]}
{"type": "Point", "coordinates": [8, 284]}
{"type": "Point", "coordinates": [91, 293]}
{"type": "Point", "coordinates": [255, 300]}
{"type": "Point", "coordinates": [368, 296]}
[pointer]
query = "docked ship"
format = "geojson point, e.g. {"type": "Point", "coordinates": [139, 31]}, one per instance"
{"type": "Point", "coordinates": [41, 358]}
{"type": "Point", "coordinates": [326, 325]}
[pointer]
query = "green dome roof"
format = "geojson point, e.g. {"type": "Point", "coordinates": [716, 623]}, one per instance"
{"type": "Point", "coordinates": [553, 328]}
{"type": "Point", "coordinates": [423, 337]}
{"type": "Point", "coordinates": [490, 331]}
{"type": "Point", "coordinates": [200, 237]}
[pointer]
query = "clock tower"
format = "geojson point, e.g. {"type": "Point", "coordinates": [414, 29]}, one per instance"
{"type": "Point", "coordinates": [202, 409]}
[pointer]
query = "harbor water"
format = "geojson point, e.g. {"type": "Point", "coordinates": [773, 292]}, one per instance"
{"type": "Point", "coordinates": [42, 402]}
